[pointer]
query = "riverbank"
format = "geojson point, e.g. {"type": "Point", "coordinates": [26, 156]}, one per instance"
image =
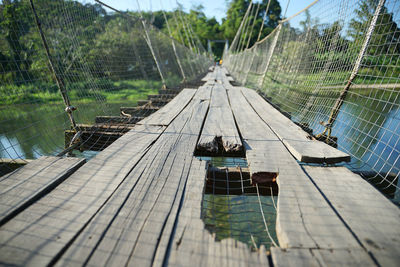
{"type": "Point", "coordinates": [84, 92]}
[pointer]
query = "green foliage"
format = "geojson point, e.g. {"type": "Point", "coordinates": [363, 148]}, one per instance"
{"type": "Point", "coordinates": [236, 12]}
{"type": "Point", "coordinates": [130, 90]}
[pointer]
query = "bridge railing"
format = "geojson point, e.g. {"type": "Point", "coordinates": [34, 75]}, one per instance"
{"type": "Point", "coordinates": [83, 57]}
{"type": "Point", "coordinates": [334, 68]}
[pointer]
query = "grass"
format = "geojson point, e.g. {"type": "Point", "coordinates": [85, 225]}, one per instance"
{"type": "Point", "coordinates": [84, 92]}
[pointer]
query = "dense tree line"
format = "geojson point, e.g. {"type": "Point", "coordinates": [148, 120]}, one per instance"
{"type": "Point", "coordinates": [78, 33]}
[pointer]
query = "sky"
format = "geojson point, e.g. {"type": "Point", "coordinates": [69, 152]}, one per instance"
{"type": "Point", "coordinates": [212, 8]}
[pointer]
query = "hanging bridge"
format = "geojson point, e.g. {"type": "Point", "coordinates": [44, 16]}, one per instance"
{"type": "Point", "coordinates": [286, 155]}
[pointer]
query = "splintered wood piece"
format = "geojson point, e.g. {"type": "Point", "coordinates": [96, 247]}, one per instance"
{"type": "Point", "coordinates": [26, 185]}
{"type": "Point", "coordinates": [296, 140]}
{"type": "Point", "coordinates": [219, 129]}
{"type": "Point", "coordinates": [166, 114]}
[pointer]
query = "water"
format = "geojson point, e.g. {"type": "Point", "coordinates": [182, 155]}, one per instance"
{"type": "Point", "coordinates": [29, 131]}
{"type": "Point", "coordinates": [367, 126]}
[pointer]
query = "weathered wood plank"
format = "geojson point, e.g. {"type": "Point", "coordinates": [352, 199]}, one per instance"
{"type": "Point", "coordinates": [40, 232]}
{"type": "Point", "coordinates": [24, 186]}
{"type": "Point", "coordinates": [372, 218]}
{"type": "Point", "coordinates": [165, 115]}
{"type": "Point", "coordinates": [144, 209]}
{"type": "Point", "coordinates": [137, 111]}
{"type": "Point", "coordinates": [210, 76]}
{"type": "Point", "coordinates": [258, 139]}
{"type": "Point", "coordinates": [117, 119]}
{"type": "Point", "coordinates": [299, 257]}
{"type": "Point", "coordinates": [296, 140]}
{"type": "Point", "coordinates": [304, 218]}
{"type": "Point", "coordinates": [92, 140]}
{"type": "Point", "coordinates": [193, 245]}
{"type": "Point", "coordinates": [219, 129]}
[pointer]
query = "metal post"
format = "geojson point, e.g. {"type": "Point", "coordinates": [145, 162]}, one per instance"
{"type": "Point", "coordinates": [60, 82]}
{"type": "Point", "coordinates": [339, 102]}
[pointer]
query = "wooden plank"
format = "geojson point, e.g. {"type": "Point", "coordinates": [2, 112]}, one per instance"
{"type": "Point", "coordinates": [304, 218]}
{"type": "Point", "coordinates": [128, 229]}
{"type": "Point", "coordinates": [194, 245]}
{"type": "Point", "coordinates": [165, 115]}
{"type": "Point", "coordinates": [295, 139]}
{"type": "Point", "coordinates": [40, 232]}
{"type": "Point", "coordinates": [8, 165]}
{"type": "Point", "coordinates": [219, 128]}
{"type": "Point", "coordinates": [138, 111]}
{"type": "Point", "coordinates": [210, 76]}
{"type": "Point", "coordinates": [155, 102]}
{"type": "Point", "coordinates": [24, 186]}
{"type": "Point", "coordinates": [161, 97]}
{"type": "Point", "coordinates": [258, 139]}
{"type": "Point", "coordinates": [117, 119]}
{"type": "Point", "coordinates": [299, 257]}
{"type": "Point", "coordinates": [91, 140]}
{"type": "Point", "coordinates": [373, 218]}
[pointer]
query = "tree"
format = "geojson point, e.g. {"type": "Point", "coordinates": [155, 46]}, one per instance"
{"type": "Point", "coordinates": [384, 47]}
{"type": "Point", "coordinates": [13, 25]}
{"type": "Point", "coordinates": [235, 15]}
{"type": "Point", "coordinates": [386, 35]}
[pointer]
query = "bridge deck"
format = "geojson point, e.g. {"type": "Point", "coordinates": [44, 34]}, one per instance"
{"type": "Point", "coordinates": [139, 201]}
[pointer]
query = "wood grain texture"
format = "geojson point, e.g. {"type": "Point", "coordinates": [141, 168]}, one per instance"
{"type": "Point", "coordinates": [193, 245]}
{"type": "Point", "coordinates": [304, 218]}
{"type": "Point", "coordinates": [296, 140]}
{"type": "Point", "coordinates": [258, 139]}
{"type": "Point", "coordinates": [39, 233]}
{"type": "Point", "coordinates": [130, 228]}
{"type": "Point", "coordinates": [166, 114]}
{"type": "Point", "coordinates": [300, 257]}
{"type": "Point", "coordinates": [25, 185]}
{"type": "Point", "coordinates": [374, 219]}
{"type": "Point", "coordinates": [219, 127]}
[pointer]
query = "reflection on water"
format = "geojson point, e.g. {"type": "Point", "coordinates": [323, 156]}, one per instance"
{"type": "Point", "coordinates": [367, 127]}
{"type": "Point", "coordinates": [30, 131]}
{"type": "Point", "coordinates": [239, 217]}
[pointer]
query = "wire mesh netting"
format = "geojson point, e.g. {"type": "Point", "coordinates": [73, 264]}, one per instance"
{"type": "Point", "coordinates": [101, 59]}
{"type": "Point", "coordinates": [334, 68]}
{"type": "Point", "coordinates": [235, 208]}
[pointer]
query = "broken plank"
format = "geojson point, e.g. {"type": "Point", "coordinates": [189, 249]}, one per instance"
{"type": "Point", "coordinates": [36, 235]}
{"type": "Point", "coordinates": [299, 257]}
{"type": "Point", "coordinates": [24, 186]}
{"type": "Point", "coordinates": [192, 244]}
{"type": "Point", "coordinates": [219, 130]}
{"type": "Point", "coordinates": [142, 209]}
{"type": "Point", "coordinates": [258, 139]}
{"type": "Point", "coordinates": [304, 218]}
{"type": "Point", "coordinates": [299, 143]}
{"type": "Point", "coordinates": [165, 115]}
{"type": "Point", "coordinates": [373, 218]}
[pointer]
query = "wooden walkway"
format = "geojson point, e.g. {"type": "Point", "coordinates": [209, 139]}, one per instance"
{"type": "Point", "coordinates": [139, 201]}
